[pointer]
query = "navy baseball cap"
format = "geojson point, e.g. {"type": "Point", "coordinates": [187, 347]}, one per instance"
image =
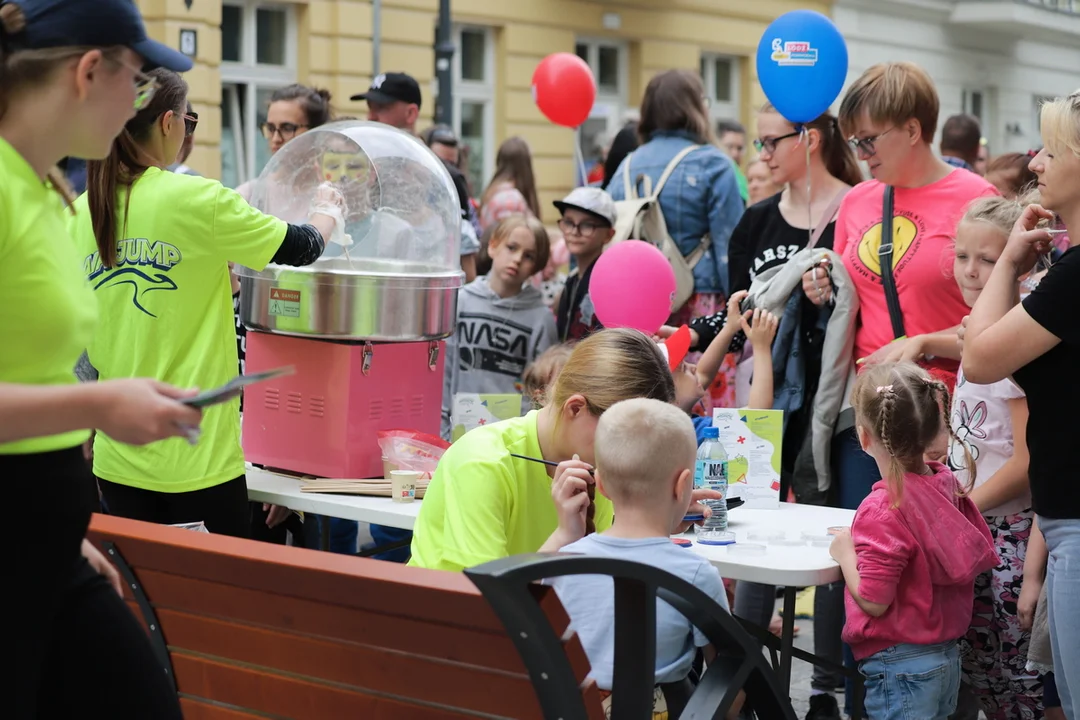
{"type": "Point", "coordinates": [97, 23]}
{"type": "Point", "coordinates": [392, 87]}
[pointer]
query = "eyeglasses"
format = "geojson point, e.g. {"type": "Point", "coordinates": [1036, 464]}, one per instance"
{"type": "Point", "coordinates": [190, 123]}
{"type": "Point", "coordinates": [769, 144]}
{"type": "Point", "coordinates": [286, 130]}
{"type": "Point", "coordinates": [145, 86]}
{"type": "Point", "coordinates": [867, 146]}
{"type": "Point", "coordinates": [584, 229]}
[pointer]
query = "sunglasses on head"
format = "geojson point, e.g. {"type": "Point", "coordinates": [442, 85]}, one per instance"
{"type": "Point", "coordinates": [191, 121]}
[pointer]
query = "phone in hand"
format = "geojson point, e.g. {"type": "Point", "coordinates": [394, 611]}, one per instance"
{"type": "Point", "coordinates": [234, 387]}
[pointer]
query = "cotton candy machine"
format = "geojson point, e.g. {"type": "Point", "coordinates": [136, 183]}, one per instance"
{"type": "Point", "coordinates": [364, 324]}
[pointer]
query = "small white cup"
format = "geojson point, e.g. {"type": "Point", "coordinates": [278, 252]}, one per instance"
{"type": "Point", "coordinates": [403, 485]}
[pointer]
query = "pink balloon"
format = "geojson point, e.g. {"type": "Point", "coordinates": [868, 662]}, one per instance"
{"type": "Point", "coordinates": [632, 286]}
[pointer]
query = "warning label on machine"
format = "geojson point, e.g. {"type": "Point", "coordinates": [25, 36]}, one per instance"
{"type": "Point", "coordinates": [285, 303]}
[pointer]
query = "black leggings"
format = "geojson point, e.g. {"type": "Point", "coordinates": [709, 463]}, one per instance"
{"type": "Point", "coordinates": [79, 650]}
{"type": "Point", "coordinates": [223, 508]}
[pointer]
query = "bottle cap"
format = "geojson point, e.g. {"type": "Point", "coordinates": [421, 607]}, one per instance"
{"type": "Point", "coordinates": [711, 433]}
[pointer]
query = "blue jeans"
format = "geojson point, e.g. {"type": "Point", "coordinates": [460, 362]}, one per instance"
{"type": "Point", "coordinates": [1063, 596]}
{"type": "Point", "coordinates": [343, 533]}
{"type": "Point", "coordinates": [912, 682]}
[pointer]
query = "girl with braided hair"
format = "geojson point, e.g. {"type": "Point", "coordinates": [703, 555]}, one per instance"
{"type": "Point", "coordinates": [913, 552]}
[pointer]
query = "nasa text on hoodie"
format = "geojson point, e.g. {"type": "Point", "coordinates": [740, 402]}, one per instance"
{"type": "Point", "coordinates": [494, 340]}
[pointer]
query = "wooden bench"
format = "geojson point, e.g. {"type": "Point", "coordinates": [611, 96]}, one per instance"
{"type": "Point", "coordinates": [254, 630]}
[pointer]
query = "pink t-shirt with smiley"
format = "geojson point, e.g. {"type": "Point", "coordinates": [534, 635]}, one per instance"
{"type": "Point", "coordinates": [924, 225]}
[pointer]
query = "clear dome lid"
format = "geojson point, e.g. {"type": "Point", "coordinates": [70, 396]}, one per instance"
{"type": "Point", "coordinates": [402, 210]}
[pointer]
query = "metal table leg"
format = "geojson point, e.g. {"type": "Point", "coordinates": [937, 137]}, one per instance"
{"type": "Point", "coordinates": [787, 638]}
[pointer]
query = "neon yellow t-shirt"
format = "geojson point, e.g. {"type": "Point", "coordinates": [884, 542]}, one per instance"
{"type": "Point", "coordinates": [166, 313]}
{"type": "Point", "coordinates": [482, 504]}
{"type": "Point", "coordinates": [47, 311]}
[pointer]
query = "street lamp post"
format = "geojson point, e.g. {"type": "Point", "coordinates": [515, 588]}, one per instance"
{"type": "Point", "coordinates": [444, 56]}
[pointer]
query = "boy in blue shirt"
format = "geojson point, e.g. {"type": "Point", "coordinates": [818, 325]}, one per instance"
{"type": "Point", "coordinates": [645, 455]}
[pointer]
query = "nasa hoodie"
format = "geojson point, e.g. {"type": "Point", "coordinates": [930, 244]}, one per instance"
{"type": "Point", "coordinates": [495, 339]}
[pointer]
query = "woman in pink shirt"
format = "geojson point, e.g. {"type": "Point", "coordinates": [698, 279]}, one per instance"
{"type": "Point", "coordinates": [913, 552]}
{"type": "Point", "coordinates": [890, 114]}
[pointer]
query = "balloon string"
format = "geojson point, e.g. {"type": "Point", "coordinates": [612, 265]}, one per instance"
{"type": "Point", "coordinates": [579, 155]}
{"type": "Point", "coordinates": [805, 136]}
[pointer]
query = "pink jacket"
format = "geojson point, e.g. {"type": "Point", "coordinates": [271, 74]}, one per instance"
{"type": "Point", "coordinates": [920, 559]}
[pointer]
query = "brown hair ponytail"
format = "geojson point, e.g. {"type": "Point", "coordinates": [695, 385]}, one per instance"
{"type": "Point", "coordinates": [127, 161]}
{"type": "Point", "coordinates": [839, 158]}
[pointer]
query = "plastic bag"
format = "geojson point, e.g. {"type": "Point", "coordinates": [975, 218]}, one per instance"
{"type": "Point", "coordinates": [412, 450]}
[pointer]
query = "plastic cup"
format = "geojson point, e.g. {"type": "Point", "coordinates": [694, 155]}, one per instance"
{"type": "Point", "coordinates": [403, 485]}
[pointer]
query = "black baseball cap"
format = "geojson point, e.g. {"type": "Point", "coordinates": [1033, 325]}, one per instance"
{"type": "Point", "coordinates": [392, 87]}
{"type": "Point", "coordinates": [97, 23]}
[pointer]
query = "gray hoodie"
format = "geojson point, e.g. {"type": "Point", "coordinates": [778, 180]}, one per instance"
{"type": "Point", "coordinates": [494, 340]}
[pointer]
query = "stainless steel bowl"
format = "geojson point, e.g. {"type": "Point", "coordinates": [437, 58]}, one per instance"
{"type": "Point", "coordinates": [361, 299]}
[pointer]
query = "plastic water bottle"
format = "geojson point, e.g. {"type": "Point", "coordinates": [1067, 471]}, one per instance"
{"type": "Point", "coordinates": [711, 473]}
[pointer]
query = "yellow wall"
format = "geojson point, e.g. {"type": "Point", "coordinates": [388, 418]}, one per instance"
{"type": "Point", "coordinates": [335, 51]}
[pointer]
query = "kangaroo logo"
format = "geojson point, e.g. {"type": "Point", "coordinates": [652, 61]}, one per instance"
{"type": "Point", "coordinates": [969, 427]}
{"type": "Point", "coordinates": [140, 282]}
{"type": "Point", "coordinates": [141, 264]}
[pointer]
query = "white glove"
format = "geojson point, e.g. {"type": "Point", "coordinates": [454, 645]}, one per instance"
{"type": "Point", "coordinates": [329, 201]}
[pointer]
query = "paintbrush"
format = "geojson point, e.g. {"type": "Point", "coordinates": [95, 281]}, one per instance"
{"type": "Point", "coordinates": [590, 515]}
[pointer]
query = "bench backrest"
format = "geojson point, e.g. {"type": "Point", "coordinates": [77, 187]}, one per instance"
{"type": "Point", "coordinates": [255, 630]}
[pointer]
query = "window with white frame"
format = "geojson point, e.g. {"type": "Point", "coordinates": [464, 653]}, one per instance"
{"type": "Point", "coordinates": [976, 102]}
{"type": "Point", "coordinates": [720, 76]}
{"type": "Point", "coordinates": [474, 101]}
{"type": "Point", "coordinates": [258, 56]}
{"type": "Point", "coordinates": [608, 60]}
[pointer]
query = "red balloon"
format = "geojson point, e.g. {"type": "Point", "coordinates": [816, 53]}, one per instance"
{"type": "Point", "coordinates": [564, 89]}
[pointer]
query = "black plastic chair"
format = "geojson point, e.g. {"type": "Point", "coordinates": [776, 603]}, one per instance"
{"type": "Point", "coordinates": [739, 664]}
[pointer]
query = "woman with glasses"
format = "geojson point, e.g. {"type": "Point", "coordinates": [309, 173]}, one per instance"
{"type": "Point", "coordinates": [890, 115]}
{"type": "Point", "coordinates": [701, 198]}
{"type": "Point", "coordinates": [156, 247]}
{"type": "Point", "coordinates": [293, 110]}
{"type": "Point", "coordinates": [69, 80]}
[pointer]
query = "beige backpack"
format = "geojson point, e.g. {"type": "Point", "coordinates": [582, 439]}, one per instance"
{"type": "Point", "coordinates": [640, 218]}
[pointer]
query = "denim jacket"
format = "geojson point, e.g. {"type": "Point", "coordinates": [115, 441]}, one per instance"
{"type": "Point", "coordinates": [701, 196]}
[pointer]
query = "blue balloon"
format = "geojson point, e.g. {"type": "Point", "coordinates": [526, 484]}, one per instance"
{"type": "Point", "coordinates": [802, 63]}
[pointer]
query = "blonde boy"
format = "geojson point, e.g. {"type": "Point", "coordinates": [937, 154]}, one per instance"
{"type": "Point", "coordinates": [645, 454]}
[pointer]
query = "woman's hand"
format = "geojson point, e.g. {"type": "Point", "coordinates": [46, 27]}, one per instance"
{"type": "Point", "coordinates": [817, 285]}
{"type": "Point", "coordinates": [910, 349]}
{"type": "Point", "coordinates": [883, 353]}
{"type": "Point", "coordinates": [1028, 601]}
{"type": "Point", "coordinates": [141, 411]}
{"type": "Point", "coordinates": [696, 507]}
{"type": "Point", "coordinates": [570, 493]}
{"type": "Point", "coordinates": [760, 330]}
{"type": "Point", "coordinates": [102, 566]}
{"type": "Point", "coordinates": [1026, 243]}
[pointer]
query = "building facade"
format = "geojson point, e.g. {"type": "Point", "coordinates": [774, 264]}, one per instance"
{"type": "Point", "coordinates": [244, 49]}
{"type": "Point", "coordinates": [995, 59]}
